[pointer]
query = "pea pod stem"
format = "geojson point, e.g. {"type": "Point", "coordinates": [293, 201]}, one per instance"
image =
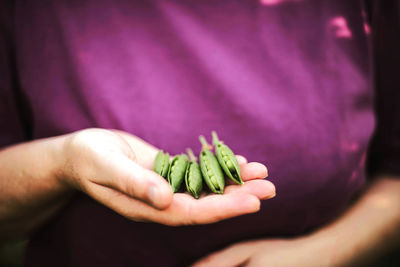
{"type": "Point", "coordinates": [191, 155]}
{"type": "Point", "coordinates": [204, 143]}
{"type": "Point", "coordinates": [215, 138]}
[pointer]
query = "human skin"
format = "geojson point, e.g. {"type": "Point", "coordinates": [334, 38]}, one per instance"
{"type": "Point", "coordinates": [113, 167]}
{"type": "Point", "coordinates": [368, 230]}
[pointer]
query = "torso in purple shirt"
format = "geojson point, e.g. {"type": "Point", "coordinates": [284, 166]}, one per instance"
{"type": "Point", "coordinates": [285, 84]}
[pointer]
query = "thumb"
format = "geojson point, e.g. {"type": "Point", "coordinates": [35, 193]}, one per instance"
{"type": "Point", "coordinates": [125, 175]}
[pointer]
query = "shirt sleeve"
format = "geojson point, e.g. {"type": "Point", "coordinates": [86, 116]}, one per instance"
{"type": "Point", "coordinates": [13, 126]}
{"type": "Point", "coordinates": [384, 150]}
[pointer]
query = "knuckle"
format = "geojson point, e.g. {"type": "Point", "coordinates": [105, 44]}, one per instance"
{"type": "Point", "coordinates": [133, 188]}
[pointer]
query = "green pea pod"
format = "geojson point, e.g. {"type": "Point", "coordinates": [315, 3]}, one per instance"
{"type": "Point", "coordinates": [227, 159]}
{"type": "Point", "coordinates": [161, 163]}
{"type": "Point", "coordinates": [176, 173]}
{"type": "Point", "coordinates": [193, 177]}
{"type": "Point", "coordinates": [210, 168]}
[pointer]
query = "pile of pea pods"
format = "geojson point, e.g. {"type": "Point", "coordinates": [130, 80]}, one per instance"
{"type": "Point", "coordinates": [212, 168]}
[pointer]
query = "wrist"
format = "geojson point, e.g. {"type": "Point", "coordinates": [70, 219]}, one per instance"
{"type": "Point", "coordinates": [59, 166]}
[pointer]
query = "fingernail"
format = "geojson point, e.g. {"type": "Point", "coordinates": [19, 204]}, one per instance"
{"type": "Point", "coordinates": [269, 193]}
{"type": "Point", "coordinates": [272, 195]}
{"type": "Point", "coordinates": [265, 172]}
{"type": "Point", "coordinates": [154, 195]}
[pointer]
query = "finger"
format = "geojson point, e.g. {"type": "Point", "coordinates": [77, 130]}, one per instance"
{"type": "Point", "coordinates": [214, 208]}
{"type": "Point", "coordinates": [231, 256]}
{"type": "Point", "coordinates": [128, 177]}
{"type": "Point", "coordinates": [184, 209]}
{"type": "Point", "coordinates": [262, 189]}
{"type": "Point", "coordinates": [253, 170]}
{"type": "Point", "coordinates": [243, 165]}
{"type": "Point", "coordinates": [241, 160]}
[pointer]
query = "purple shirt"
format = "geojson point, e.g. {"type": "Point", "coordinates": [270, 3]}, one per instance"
{"type": "Point", "coordinates": [284, 84]}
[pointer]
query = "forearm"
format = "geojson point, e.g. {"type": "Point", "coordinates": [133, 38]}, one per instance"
{"type": "Point", "coordinates": [30, 191]}
{"type": "Point", "coordinates": [368, 230]}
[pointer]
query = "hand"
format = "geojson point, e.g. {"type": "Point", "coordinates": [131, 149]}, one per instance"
{"type": "Point", "coordinates": [347, 241]}
{"type": "Point", "coordinates": [114, 168]}
{"type": "Point", "coordinates": [297, 252]}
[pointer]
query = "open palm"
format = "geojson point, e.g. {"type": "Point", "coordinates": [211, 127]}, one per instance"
{"type": "Point", "coordinates": [133, 158]}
